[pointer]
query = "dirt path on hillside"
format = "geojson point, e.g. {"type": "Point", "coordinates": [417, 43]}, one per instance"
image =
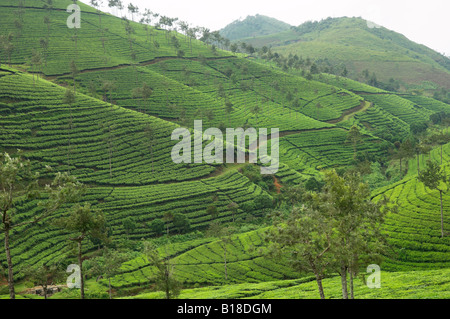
{"type": "Point", "coordinates": [363, 106]}
{"type": "Point", "coordinates": [277, 185]}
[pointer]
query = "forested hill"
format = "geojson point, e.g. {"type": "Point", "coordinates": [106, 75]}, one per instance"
{"type": "Point", "coordinates": [253, 26]}
{"type": "Point", "coordinates": [364, 49]}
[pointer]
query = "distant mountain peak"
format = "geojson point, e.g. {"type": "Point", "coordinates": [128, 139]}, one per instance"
{"type": "Point", "coordinates": [253, 26]}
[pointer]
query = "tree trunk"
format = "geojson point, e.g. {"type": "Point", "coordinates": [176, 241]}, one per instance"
{"type": "Point", "coordinates": [80, 262]}
{"type": "Point", "coordinates": [418, 164]}
{"type": "Point", "coordinates": [110, 294]}
{"type": "Point", "coordinates": [320, 286]}
{"type": "Point", "coordinates": [344, 282]}
{"type": "Point", "coordinates": [442, 215]}
{"type": "Point", "coordinates": [225, 260]}
{"type": "Point", "coordinates": [352, 295]}
{"type": "Point", "coordinates": [167, 279]}
{"type": "Point", "coordinates": [12, 293]}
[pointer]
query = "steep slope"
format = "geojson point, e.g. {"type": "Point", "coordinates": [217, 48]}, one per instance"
{"type": "Point", "coordinates": [118, 142]}
{"type": "Point", "coordinates": [102, 41]}
{"type": "Point", "coordinates": [107, 147]}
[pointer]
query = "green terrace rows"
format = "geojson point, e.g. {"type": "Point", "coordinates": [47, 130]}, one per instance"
{"type": "Point", "coordinates": [143, 204]}
{"type": "Point", "coordinates": [392, 113]}
{"type": "Point", "coordinates": [35, 119]}
{"type": "Point", "coordinates": [246, 84]}
{"type": "Point", "coordinates": [413, 235]}
{"type": "Point", "coordinates": [401, 108]}
{"type": "Point", "coordinates": [88, 50]}
{"type": "Point", "coordinates": [382, 124]}
{"type": "Point", "coordinates": [288, 175]}
{"type": "Point", "coordinates": [430, 284]}
{"type": "Point", "coordinates": [203, 264]}
{"type": "Point", "coordinates": [174, 98]}
{"type": "Point", "coordinates": [414, 232]}
{"type": "Point", "coordinates": [429, 103]}
{"type": "Point", "coordinates": [308, 152]}
{"type": "Point", "coordinates": [189, 198]}
{"type": "Point", "coordinates": [346, 83]}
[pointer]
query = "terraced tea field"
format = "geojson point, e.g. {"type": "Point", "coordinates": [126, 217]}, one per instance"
{"type": "Point", "coordinates": [430, 284]}
{"type": "Point", "coordinates": [102, 103]}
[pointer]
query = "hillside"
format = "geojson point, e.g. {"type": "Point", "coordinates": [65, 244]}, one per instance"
{"type": "Point", "coordinates": [133, 84]}
{"type": "Point", "coordinates": [352, 43]}
{"type": "Point", "coordinates": [253, 26]}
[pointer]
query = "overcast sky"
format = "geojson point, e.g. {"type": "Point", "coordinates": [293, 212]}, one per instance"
{"type": "Point", "coordinates": [425, 22]}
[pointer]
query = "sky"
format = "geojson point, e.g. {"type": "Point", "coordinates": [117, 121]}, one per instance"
{"type": "Point", "coordinates": [424, 22]}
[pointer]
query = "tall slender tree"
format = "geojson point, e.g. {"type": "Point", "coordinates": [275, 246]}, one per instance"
{"type": "Point", "coordinates": [81, 222]}
{"type": "Point", "coordinates": [224, 234]}
{"type": "Point", "coordinates": [36, 62]}
{"type": "Point", "coordinates": [8, 46]}
{"type": "Point", "coordinates": [133, 10]}
{"type": "Point", "coordinates": [164, 276]}
{"type": "Point", "coordinates": [69, 99]}
{"type": "Point", "coordinates": [354, 136]}
{"type": "Point", "coordinates": [435, 178]}
{"type": "Point", "coordinates": [108, 265]}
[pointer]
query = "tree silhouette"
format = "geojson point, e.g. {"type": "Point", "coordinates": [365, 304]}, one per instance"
{"type": "Point", "coordinates": [164, 276]}
{"type": "Point", "coordinates": [69, 99]}
{"type": "Point", "coordinates": [133, 10]}
{"type": "Point", "coordinates": [354, 137]}
{"type": "Point", "coordinates": [83, 221]}
{"type": "Point", "coordinates": [434, 177]}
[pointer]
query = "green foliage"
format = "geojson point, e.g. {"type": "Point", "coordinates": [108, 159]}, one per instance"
{"type": "Point", "coordinates": [253, 26]}
{"type": "Point", "coordinates": [415, 231]}
{"type": "Point", "coordinates": [164, 277]}
{"type": "Point", "coordinates": [395, 285]}
{"type": "Point", "coordinates": [312, 184]}
{"type": "Point", "coordinates": [157, 226]}
{"type": "Point", "coordinates": [144, 73]}
{"type": "Point", "coordinates": [181, 222]}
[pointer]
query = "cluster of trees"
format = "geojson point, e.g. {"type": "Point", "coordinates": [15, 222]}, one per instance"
{"type": "Point", "coordinates": [306, 66]}
{"type": "Point", "coordinates": [6, 41]}
{"type": "Point", "coordinates": [6, 46]}
{"type": "Point", "coordinates": [334, 230]}
{"type": "Point", "coordinates": [434, 177]}
{"type": "Point", "coordinates": [418, 146]}
{"type": "Point", "coordinates": [442, 95]}
{"type": "Point", "coordinates": [314, 26]}
{"type": "Point", "coordinates": [148, 18]}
